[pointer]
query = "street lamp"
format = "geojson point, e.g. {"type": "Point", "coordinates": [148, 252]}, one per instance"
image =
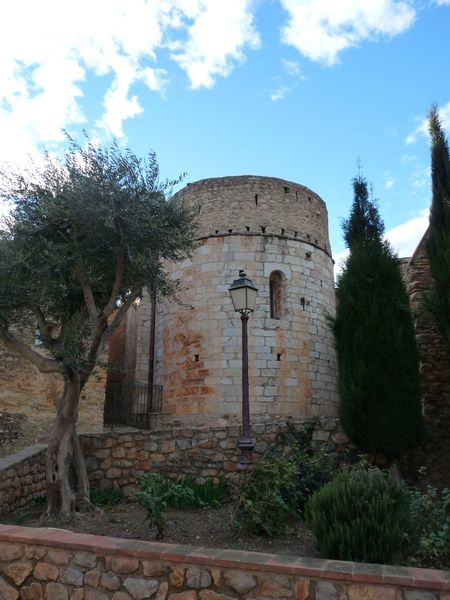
{"type": "Point", "coordinates": [243, 296]}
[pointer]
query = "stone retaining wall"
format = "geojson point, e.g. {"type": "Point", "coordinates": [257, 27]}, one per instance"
{"type": "Point", "coordinates": [59, 565]}
{"type": "Point", "coordinates": [116, 459]}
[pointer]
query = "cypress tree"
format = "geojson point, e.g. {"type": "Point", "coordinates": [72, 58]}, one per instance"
{"type": "Point", "coordinates": [438, 241]}
{"type": "Point", "coordinates": [380, 408]}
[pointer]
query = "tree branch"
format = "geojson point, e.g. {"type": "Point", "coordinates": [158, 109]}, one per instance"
{"type": "Point", "coordinates": [120, 262]}
{"type": "Point", "coordinates": [44, 328]}
{"type": "Point", "coordinates": [120, 314]}
{"type": "Point", "coordinates": [44, 364]}
{"type": "Point", "coordinates": [88, 297]}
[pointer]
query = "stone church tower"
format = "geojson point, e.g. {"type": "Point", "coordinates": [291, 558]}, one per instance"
{"type": "Point", "coordinates": [277, 231]}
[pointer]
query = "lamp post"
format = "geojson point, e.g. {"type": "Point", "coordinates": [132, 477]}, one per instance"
{"type": "Point", "coordinates": [243, 296]}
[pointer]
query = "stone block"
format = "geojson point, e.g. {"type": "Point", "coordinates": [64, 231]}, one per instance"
{"type": "Point", "coordinates": [58, 557]}
{"type": "Point", "coordinates": [371, 592]}
{"type": "Point", "coordinates": [140, 587]}
{"type": "Point", "coordinates": [56, 591]}
{"type": "Point", "coordinates": [161, 594]}
{"type": "Point", "coordinates": [32, 592]}
{"type": "Point", "coordinates": [73, 576]}
{"type": "Point", "coordinates": [151, 568]}
{"type": "Point", "coordinates": [46, 572]}
{"type": "Point", "coordinates": [198, 578]}
{"type": "Point", "coordinates": [92, 578]}
{"type": "Point", "coordinates": [302, 589]}
{"type": "Point", "coordinates": [326, 590]}
{"type": "Point", "coordinates": [110, 581]}
{"type": "Point", "coordinates": [276, 586]}
{"type": "Point", "coordinates": [85, 559]}
{"type": "Point", "coordinates": [210, 595]}
{"type": "Point", "coordinates": [239, 581]}
{"type": "Point", "coordinates": [121, 596]}
{"type": "Point", "coordinates": [6, 591]}
{"type": "Point", "coordinates": [10, 551]}
{"type": "Point", "coordinates": [419, 595]}
{"type": "Point", "coordinates": [95, 594]}
{"type": "Point", "coordinates": [176, 577]}
{"type": "Point", "coordinates": [121, 564]}
{"type": "Point", "coordinates": [18, 571]}
{"type": "Point", "coordinates": [190, 595]}
{"type": "Point", "coordinates": [77, 594]}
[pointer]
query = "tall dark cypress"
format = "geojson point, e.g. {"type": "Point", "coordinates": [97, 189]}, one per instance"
{"type": "Point", "coordinates": [438, 241]}
{"type": "Point", "coordinates": [380, 408]}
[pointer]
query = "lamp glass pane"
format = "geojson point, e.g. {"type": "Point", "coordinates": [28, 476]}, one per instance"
{"type": "Point", "coordinates": [251, 298]}
{"type": "Point", "coordinates": [238, 296]}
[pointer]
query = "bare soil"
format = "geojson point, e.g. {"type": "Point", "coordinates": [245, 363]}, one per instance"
{"type": "Point", "coordinates": [211, 527]}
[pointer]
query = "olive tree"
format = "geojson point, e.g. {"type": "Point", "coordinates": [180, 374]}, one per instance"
{"type": "Point", "coordinates": [87, 233]}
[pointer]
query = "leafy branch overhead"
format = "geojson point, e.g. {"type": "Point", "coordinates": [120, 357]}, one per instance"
{"type": "Point", "coordinates": [88, 232]}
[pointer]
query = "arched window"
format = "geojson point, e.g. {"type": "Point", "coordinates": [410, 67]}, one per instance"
{"type": "Point", "coordinates": [276, 295]}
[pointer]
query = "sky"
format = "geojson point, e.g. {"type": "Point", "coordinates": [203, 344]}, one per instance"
{"type": "Point", "coordinates": [304, 90]}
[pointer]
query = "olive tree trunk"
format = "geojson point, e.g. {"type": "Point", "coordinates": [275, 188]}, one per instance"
{"type": "Point", "coordinates": [67, 481]}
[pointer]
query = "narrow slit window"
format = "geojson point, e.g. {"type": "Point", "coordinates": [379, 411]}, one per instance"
{"type": "Point", "coordinates": [276, 295]}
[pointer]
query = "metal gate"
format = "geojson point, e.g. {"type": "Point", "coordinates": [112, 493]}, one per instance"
{"type": "Point", "coordinates": [131, 405]}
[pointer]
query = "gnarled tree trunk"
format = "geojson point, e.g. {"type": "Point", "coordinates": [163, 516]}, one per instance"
{"type": "Point", "coordinates": [66, 475]}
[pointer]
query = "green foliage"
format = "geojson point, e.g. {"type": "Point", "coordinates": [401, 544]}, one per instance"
{"type": "Point", "coordinates": [159, 493]}
{"type": "Point", "coordinates": [87, 233]}
{"type": "Point", "coordinates": [379, 386]}
{"type": "Point", "coordinates": [438, 240]}
{"type": "Point", "coordinates": [263, 505]}
{"type": "Point", "coordinates": [429, 531]}
{"type": "Point", "coordinates": [277, 488]}
{"type": "Point", "coordinates": [359, 516]}
{"type": "Point", "coordinates": [106, 496]}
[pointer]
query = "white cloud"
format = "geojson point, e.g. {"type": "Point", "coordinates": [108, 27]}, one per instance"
{"type": "Point", "coordinates": [321, 29]}
{"type": "Point", "coordinates": [422, 129]}
{"type": "Point", "coordinates": [443, 2]}
{"type": "Point", "coordinates": [216, 39]}
{"type": "Point", "coordinates": [50, 49]}
{"type": "Point", "coordinates": [279, 93]}
{"type": "Point", "coordinates": [293, 68]}
{"type": "Point", "coordinates": [404, 238]}
{"type": "Point", "coordinates": [388, 180]}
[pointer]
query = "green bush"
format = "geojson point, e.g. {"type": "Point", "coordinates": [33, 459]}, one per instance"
{"type": "Point", "coordinates": [159, 493]}
{"type": "Point", "coordinates": [313, 470]}
{"type": "Point", "coordinates": [106, 496]}
{"type": "Point", "coordinates": [360, 515]}
{"type": "Point", "coordinates": [428, 541]}
{"type": "Point", "coordinates": [264, 497]}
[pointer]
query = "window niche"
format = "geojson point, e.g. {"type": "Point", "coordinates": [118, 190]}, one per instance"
{"type": "Point", "coordinates": [276, 291]}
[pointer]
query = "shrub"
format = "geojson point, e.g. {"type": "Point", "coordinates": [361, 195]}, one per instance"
{"type": "Point", "coordinates": [428, 541]}
{"type": "Point", "coordinates": [263, 505]}
{"type": "Point", "coordinates": [360, 515]}
{"type": "Point", "coordinates": [159, 493]}
{"type": "Point", "coordinates": [106, 496]}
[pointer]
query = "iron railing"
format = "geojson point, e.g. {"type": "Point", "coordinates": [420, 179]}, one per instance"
{"type": "Point", "coordinates": [131, 405]}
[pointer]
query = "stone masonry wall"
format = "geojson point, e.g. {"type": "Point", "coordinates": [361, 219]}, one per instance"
{"type": "Point", "coordinates": [60, 565]}
{"type": "Point", "coordinates": [263, 225]}
{"type": "Point", "coordinates": [434, 452]}
{"type": "Point", "coordinates": [117, 459]}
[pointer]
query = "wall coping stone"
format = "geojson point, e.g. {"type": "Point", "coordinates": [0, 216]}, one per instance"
{"type": "Point", "coordinates": [317, 568]}
{"type": "Point", "coordinates": [9, 461]}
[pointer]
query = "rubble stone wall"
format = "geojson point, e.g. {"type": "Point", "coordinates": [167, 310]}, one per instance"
{"type": "Point", "coordinates": [60, 565]}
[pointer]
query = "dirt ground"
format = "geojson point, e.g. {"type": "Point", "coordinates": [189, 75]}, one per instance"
{"type": "Point", "coordinates": [198, 527]}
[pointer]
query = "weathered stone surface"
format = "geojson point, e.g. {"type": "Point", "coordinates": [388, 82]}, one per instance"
{"type": "Point", "coordinates": [276, 586]}
{"type": "Point", "coordinates": [418, 595]}
{"type": "Point", "coordinates": [73, 576]}
{"type": "Point", "coordinates": [10, 551]}
{"type": "Point", "coordinates": [162, 591]}
{"type": "Point", "coordinates": [371, 592]}
{"type": "Point", "coordinates": [140, 588]}
{"type": "Point", "coordinates": [302, 589]}
{"type": "Point", "coordinates": [327, 591]}
{"type": "Point", "coordinates": [121, 596]}
{"type": "Point", "coordinates": [210, 595]}
{"type": "Point", "coordinates": [45, 571]}
{"type": "Point", "coordinates": [110, 581]}
{"type": "Point", "coordinates": [239, 581]}
{"type": "Point", "coordinates": [92, 578]}
{"type": "Point", "coordinates": [77, 594]}
{"type": "Point", "coordinates": [122, 564]}
{"type": "Point", "coordinates": [56, 591]}
{"type": "Point", "coordinates": [85, 559]}
{"type": "Point", "coordinates": [37, 552]}
{"type": "Point", "coordinates": [198, 578]}
{"type": "Point", "coordinates": [177, 576]}
{"type": "Point", "coordinates": [7, 592]}
{"type": "Point", "coordinates": [95, 594]}
{"type": "Point", "coordinates": [191, 595]}
{"type": "Point", "coordinates": [58, 557]}
{"type": "Point", "coordinates": [32, 592]}
{"type": "Point", "coordinates": [18, 571]}
{"type": "Point", "coordinates": [153, 568]}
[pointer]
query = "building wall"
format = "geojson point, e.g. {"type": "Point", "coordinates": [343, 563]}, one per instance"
{"type": "Point", "coordinates": [261, 225]}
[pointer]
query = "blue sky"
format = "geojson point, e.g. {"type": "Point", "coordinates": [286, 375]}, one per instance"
{"type": "Point", "coordinates": [297, 89]}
